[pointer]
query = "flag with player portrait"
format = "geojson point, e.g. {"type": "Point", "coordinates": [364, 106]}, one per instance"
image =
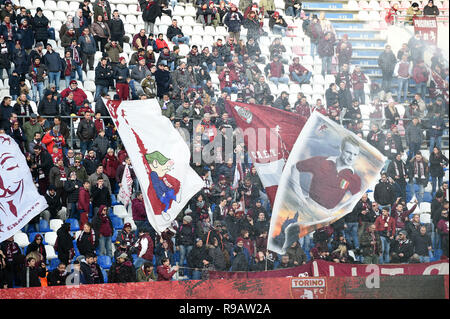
{"type": "Point", "coordinates": [327, 172]}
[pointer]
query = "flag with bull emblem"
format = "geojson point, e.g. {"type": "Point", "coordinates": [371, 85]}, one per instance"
{"type": "Point", "coordinates": [19, 197]}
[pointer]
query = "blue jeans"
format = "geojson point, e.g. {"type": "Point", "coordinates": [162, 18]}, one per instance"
{"type": "Point", "coordinates": [419, 194]}
{"type": "Point", "coordinates": [403, 85]}
{"type": "Point", "coordinates": [421, 88]}
{"type": "Point", "coordinates": [104, 244]}
{"type": "Point", "coordinates": [230, 90]}
{"type": "Point", "coordinates": [293, 12]}
{"type": "Point", "coordinates": [176, 40]}
{"type": "Point", "coordinates": [37, 88]}
{"type": "Point", "coordinates": [360, 96]}
{"type": "Point", "coordinates": [196, 275]}
{"type": "Point", "coordinates": [313, 49]}
{"type": "Point", "coordinates": [54, 77]}
{"type": "Point", "coordinates": [435, 141]}
{"type": "Point", "coordinates": [305, 242]}
{"type": "Point", "coordinates": [84, 146]}
{"type": "Point", "coordinates": [99, 89]}
{"type": "Point", "coordinates": [304, 78]}
{"type": "Point", "coordinates": [279, 80]}
{"type": "Point", "coordinates": [433, 184]}
{"type": "Point", "coordinates": [351, 234]}
{"type": "Point", "coordinates": [385, 246]}
{"type": "Point", "coordinates": [278, 29]}
{"type": "Point", "coordinates": [184, 251]}
{"type": "Point", "coordinates": [326, 65]}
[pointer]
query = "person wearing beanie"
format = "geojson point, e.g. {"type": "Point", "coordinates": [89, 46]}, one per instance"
{"type": "Point", "coordinates": [239, 261]}
{"type": "Point", "coordinates": [430, 9]}
{"type": "Point", "coordinates": [122, 270]}
{"type": "Point", "coordinates": [234, 20]}
{"type": "Point", "coordinates": [402, 248]}
{"type": "Point", "coordinates": [40, 26]}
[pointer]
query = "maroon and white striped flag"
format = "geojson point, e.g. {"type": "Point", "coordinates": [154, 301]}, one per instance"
{"type": "Point", "coordinates": [269, 135]}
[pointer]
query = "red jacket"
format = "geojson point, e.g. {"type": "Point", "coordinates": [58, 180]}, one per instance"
{"type": "Point", "coordinates": [78, 95]}
{"type": "Point", "coordinates": [294, 68]}
{"type": "Point", "coordinates": [148, 254]}
{"type": "Point", "coordinates": [49, 142]}
{"type": "Point", "coordinates": [227, 82]}
{"type": "Point", "coordinates": [380, 225]}
{"type": "Point", "coordinates": [164, 273]}
{"type": "Point", "coordinates": [390, 15]}
{"type": "Point", "coordinates": [358, 80]}
{"type": "Point", "coordinates": [138, 210]}
{"type": "Point", "coordinates": [420, 74]}
{"type": "Point", "coordinates": [83, 200]}
{"type": "Point", "coordinates": [160, 44]}
{"type": "Point", "coordinates": [110, 164]}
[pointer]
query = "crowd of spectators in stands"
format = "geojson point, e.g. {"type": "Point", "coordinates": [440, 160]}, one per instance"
{"type": "Point", "coordinates": [234, 236]}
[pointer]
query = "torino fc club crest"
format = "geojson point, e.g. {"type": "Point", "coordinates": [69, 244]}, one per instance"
{"type": "Point", "coordinates": [309, 288]}
{"type": "Point", "coordinates": [244, 113]}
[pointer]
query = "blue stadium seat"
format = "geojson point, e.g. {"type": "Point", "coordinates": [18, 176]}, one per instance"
{"type": "Point", "coordinates": [114, 200]}
{"type": "Point", "coordinates": [105, 276]}
{"type": "Point", "coordinates": [53, 264]}
{"type": "Point", "coordinates": [74, 225]}
{"type": "Point", "coordinates": [117, 222]}
{"type": "Point", "coordinates": [104, 261]}
{"type": "Point", "coordinates": [114, 236]}
{"type": "Point", "coordinates": [44, 227]}
{"type": "Point", "coordinates": [427, 197]}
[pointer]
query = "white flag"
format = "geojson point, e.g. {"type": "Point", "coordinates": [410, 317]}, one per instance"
{"type": "Point", "coordinates": [126, 188]}
{"type": "Point", "coordinates": [19, 198]}
{"type": "Point", "coordinates": [160, 159]}
{"type": "Point", "coordinates": [328, 170]}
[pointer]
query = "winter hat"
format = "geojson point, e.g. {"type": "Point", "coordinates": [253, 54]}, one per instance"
{"type": "Point", "coordinates": [276, 14]}
{"type": "Point", "coordinates": [127, 225]}
{"type": "Point", "coordinates": [404, 232]}
{"type": "Point", "coordinates": [141, 58]}
{"type": "Point", "coordinates": [123, 255]}
{"type": "Point", "coordinates": [393, 126]}
{"type": "Point", "coordinates": [38, 9]}
{"type": "Point", "coordinates": [121, 59]}
{"type": "Point", "coordinates": [239, 239]}
{"type": "Point", "coordinates": [73, 82]}
{"type": "Point", "coordinates": [52, 187]}
{"type": "Point", "coordinates": [188, 219]}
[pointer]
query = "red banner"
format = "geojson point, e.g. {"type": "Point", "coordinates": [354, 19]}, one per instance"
{"type": "Point", "coordinates": [269, 135]}
{"type": "Point", "coordinates": [330, 269]}
{"type": "Point", "coordinates": [427, 27]}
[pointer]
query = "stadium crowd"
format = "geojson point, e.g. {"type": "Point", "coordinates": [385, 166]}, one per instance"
{"type": "Point", "coordinates": [222, 228]}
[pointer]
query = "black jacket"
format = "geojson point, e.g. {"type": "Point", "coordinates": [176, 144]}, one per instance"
{"type": "Point", "coordinates": [100, 196]}
{"type": "Point", "coordinates": [55, 276]}
{"type": "Point", "coordinates": [33, 275]}
{"type": "Point", "coordinates": [71, 190]}
{"type": "Point", "coordinates": [384, 193]}
{"type": "Point", "coordinates": [54, 204]}
{"type": "Point", "coordinates": [47, 107]}
{"type": "Point", "coordinates": [103, 75]}
{"type": "Point", "coordinates": [121, 273]}
{"type": "Point", "coordinates": [185, 235]}
{"type": "Point", "coordinates": [196, 256]}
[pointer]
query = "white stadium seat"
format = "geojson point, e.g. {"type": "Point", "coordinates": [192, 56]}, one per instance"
{"type": "Point", "coordinates": [50, 251]}
{"type": "Point", "coordinates": [55, 224]}
{"type": "Point", "coordinates": [21, 239]}
{"type": "Point", "coordinates": [38, 4]}
{"type": "Point", "coordinates": [63, 6]}
{"type": "Point", "coordinates": [50, 238]}
{"type": "Point", "coordinates": [61, 16]}
{"type": "Point", "coordinates": [120, 211]}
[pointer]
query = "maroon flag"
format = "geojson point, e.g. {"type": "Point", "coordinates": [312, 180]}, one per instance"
{"type": "Point", "coordinates": [269, 135]}
{"type": "Point", "coordinates": [427, 27]}
{"type": "Point", "coordinates": [439, 88]}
